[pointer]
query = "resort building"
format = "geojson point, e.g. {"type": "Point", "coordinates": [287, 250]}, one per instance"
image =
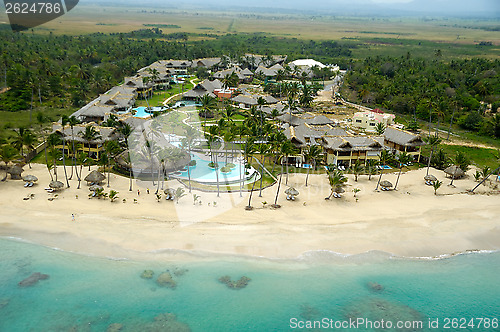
{"type": "Point", "coordinates": [346, 150]}
{"type": "Point", "coordinates": [402, 140]}
{"type": "Point", "coordinates": [368, 120]}
{"type": "Point", "coordinates": [95, 146]}
{"type": "Point", "coordinates": [179, 66]}
{"type": "Point", "coordinates": [118, 99]}
{"type": "Point", "coordinates": [137, 83]}
{"type": "Point", "coordinates": [203, 88]}
{"type": "Point", "coordinates": [206, 62]}
{"type": "Point", "coordinates": [228, 72]}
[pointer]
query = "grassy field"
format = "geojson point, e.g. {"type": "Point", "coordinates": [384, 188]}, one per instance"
{"type": "Point", "coordinates": [90, 18]}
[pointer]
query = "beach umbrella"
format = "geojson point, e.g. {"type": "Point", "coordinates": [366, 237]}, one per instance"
{"type": "Point", "coordinates": [30, 178]}
{"type": "Point", "coordinates": [292, 191]}
{"type": "Point", "coordinates": [454, 171]}
{"type": "Point", "coordinates": [56, 185]}
{"type": "Point", "coordinates": [430, 177]}
{"type": "Point", "coordinates": [95, 187]}
{"type": "Point", "coordinates": [95, 176]}
{"type": "Point", "coordinates": [385, 184]}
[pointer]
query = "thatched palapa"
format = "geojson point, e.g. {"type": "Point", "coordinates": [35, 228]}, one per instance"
{"type": "Point", "coordinates": [95, 177]}
{"type": "Point", "coordinates": [454, 171]}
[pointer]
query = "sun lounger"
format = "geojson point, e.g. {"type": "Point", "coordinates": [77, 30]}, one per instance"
{"type": "Point", "coordinates": [31, 184]}
{"type": "Point", "coordinates": [26, 184]}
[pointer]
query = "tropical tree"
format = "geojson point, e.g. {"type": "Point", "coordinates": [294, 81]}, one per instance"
{"type": "Point", "coordinates": [113, 195]}
{"type": "Point", "coordinates": [371, 168]}
{"type": "Point", "coordinates": [64, 121]}
{"type": "Point", "coordinates": [312, 154]}
{"type": "Point", "coordinates": [433, 142]}
{"type": "Point", "coordinates": [436, 185]}
{"type": "Point", "coordinates": [90, 134]}
{"type": "Point", "coordinates": [336, 179]}
{"type": "Point", "coordinates": [111, 149]}
{"type": "Point", "coordinates": [73, 121]}
{"type": "Point", "coordinates": [357, 169]}
{"type": "Point", "coordinates": [380, 128]}
{"type": "Point", "coordinates": [8, 153]}
{"type": "Point", "coordinates": [403, 158]}
{"type": "Point", "coordinates": [383, 158]}
{"type": "Point", "coordinates": [53, 140]}
{"type": "Point", "coordinates": [179, 193]}
{"type": "Point", "coordinates": [306, 96]}
{"type": "Point", "coordinates": [208, 103]}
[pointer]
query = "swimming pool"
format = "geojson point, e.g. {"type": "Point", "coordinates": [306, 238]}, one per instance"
{"type": "Point", "coordinates": [182, 103]}
{"type": "Point", "coordinates": [141, 112]}
{"type": "Point", "coordinates": [202, 173]}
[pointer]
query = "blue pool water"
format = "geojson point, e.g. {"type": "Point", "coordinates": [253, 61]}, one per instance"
{"type": "Point", "coordinates": [141, 112]}
{"type": "Point", "coordinates": [183, 103]}
{"type": "Point", "coordinates": [90, 293]}
{"type": "Point", "coordinates": [202, 173]}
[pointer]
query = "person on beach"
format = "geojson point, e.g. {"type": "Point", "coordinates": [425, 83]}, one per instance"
{"type": "Point", "coordinates": [72, 217]}
{"type": "Point", "coordinates": [138, 192]}
{"type": "Point", "coordinates": [147, 190]}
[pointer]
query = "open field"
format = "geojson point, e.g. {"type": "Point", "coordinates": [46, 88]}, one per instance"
{"type": "Point", "coordinates": [89, 19]}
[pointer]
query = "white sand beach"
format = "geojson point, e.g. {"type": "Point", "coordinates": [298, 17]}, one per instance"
{"type": "Point", "coordinates": [411, 221]}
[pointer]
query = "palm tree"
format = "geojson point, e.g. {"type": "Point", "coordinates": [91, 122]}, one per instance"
{"type": "Point", "coordinates": [212, 139]}
{"type": "Point", "coordinates": [433, 142]}
{"type": "Point", "coordinates": [90, 134]}
{"type": "Point", "coordinates": [383, 157]}
{"type": "Point", "coordinates": [287, 149]}
{"type": "Point", "coordinates": [111, 148]}
{"type": "Point", "coordinates": [64, 121]}
{"type": "Point", "coordinates": [208, 103]}
{"type": "Point", "coordinates": [357, 169]}
{"type": "Point", "coordinates": [371, 168]}
{"type": "Point", "coordinates": [403, 158]}
{"type": "Point", "coordinates": [313, 154]}
{"type": "Point", "coordinates": [336, 179]}
{"type": "Point", "coordinates": [7, 154]}
{"type": "Point", "coordinates": [80, 158]}
{"type": "Point", "coordinates": [380, 128]}
{"type": "Point", "coordinates": [73, 121]}
{"type": "Point", "coordinates": [436, 185]}
{"type": "Point", "coordinates": [263, 150]}
{"type": "Point", "coordinates": [191, 134]}
{"type": "Point", "coordinates": [52, 141]}
{"type": "Point", "coordinates": [306, 96]}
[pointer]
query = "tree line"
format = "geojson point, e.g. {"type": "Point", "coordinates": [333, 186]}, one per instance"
{"type": "Point", "coordinates": [459, 91]}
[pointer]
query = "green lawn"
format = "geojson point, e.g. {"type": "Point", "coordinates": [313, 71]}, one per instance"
{"type": "Point", "coordinates": [480, 157]}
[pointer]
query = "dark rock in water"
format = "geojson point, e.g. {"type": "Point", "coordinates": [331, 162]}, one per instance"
{"type": "Point", "coordinates": [116, 327]}
{"type": "Point", "coordinates": [147, 274]}
{"type": "Point", "coordinates": [242, 283]}
{"type": "Point", "coordinates": [378, 309]}
{"type": "Point", "coordinates": [33, 279]}
{"type": "Point", "coordinates": [308, 312]}
{"type": "Point", "coordinates": [167, 322]}
{"type": "Point", "coordinates": [180, 272]}
{"type": "Point", "coordinates": [165, 280]}
{"type": "Point", "coordinates": [375, 286]}
{"type": "Point", "coordinates": [3, 303]}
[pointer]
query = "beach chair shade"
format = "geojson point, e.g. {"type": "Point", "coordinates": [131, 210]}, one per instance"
{"type": "Point", "coordinates": [385, 184]}
{"type": "Point", "coordinates": [95, 176]}
{"type": "Point", "coordinates": [454, 171]}
{"type": "Point", "coordinates": [430, 178]}
{"type": "Point", "coordinates": [56, 185]}
{"type": "Point", "coordinates": [292, 191]}
{"type": "Point", "coordinates": [30, 178]}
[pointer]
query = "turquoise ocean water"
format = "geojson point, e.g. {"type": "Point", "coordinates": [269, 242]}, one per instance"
{"type": "Point", "coordinates": [90, 294]}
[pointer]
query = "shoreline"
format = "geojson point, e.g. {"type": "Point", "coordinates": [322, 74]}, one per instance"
{"type": "Point", "coordinates": [409, 223]}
